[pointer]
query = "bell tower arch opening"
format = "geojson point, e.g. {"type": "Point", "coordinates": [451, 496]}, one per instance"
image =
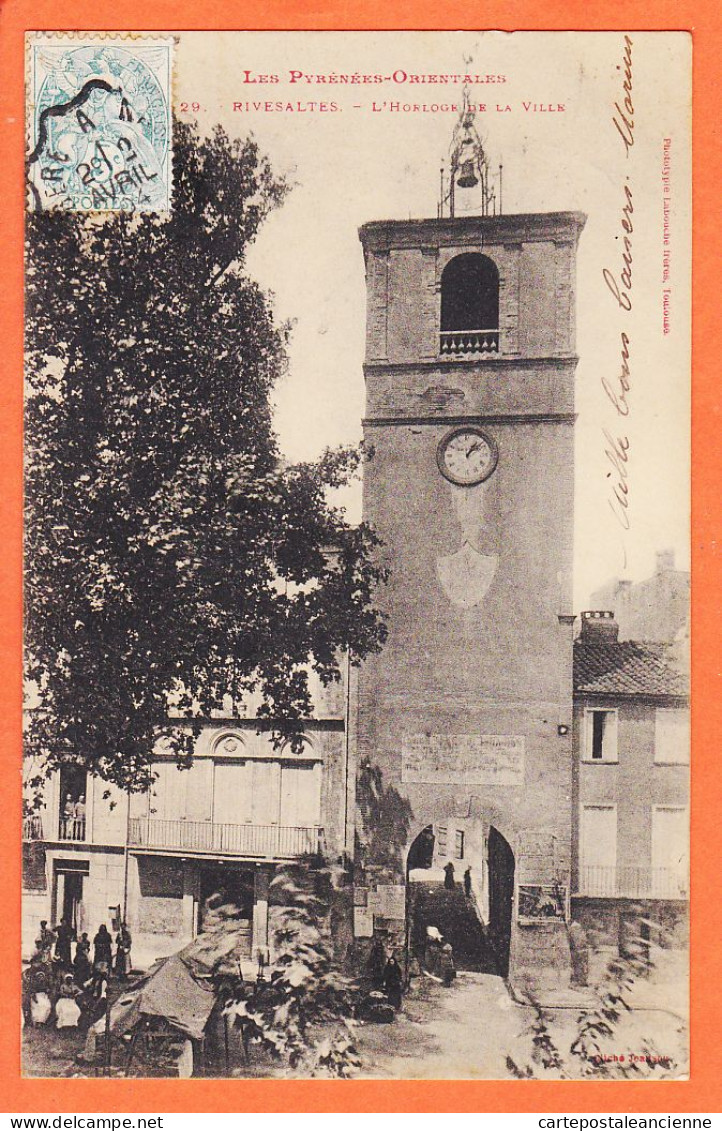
{"type": "Point", "coordinates": [470, 293]}
{"type": "Point", "coordinates": [469, 305]}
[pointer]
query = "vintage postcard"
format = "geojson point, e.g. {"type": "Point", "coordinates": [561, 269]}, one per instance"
{"type": "Point", "coordinates": [357, 446]}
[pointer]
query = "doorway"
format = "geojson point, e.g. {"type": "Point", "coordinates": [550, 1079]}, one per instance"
{"type": "Point", "coordinates": [68, 895]}
{"type": "Point", "coordinates": [500, 862]}
{"type": "Point", "coordinates": [222, 886]}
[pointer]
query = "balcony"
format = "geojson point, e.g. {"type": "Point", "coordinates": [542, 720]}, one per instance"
{"type": "Point", "coordinates": [71, 828]}
{"type": "Point", "coordinates": [267, 842]}
{"type": "Point", "coordinates": [462, 342]}
{"type": "Point", "coordinates": [633, 882]}
{"type": "Point", "coordinates": [33, 827]}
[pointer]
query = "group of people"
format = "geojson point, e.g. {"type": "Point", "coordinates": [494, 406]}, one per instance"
{"type": "Point", "coordinates": [450, 880]}
{"type": "Point", "coordinates": [64, 988]}
{"type": "Point", "coordinates": [73, 818]}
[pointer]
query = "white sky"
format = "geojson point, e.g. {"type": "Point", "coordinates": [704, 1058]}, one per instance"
{"type": "Point", "coordinates": [355, 165]}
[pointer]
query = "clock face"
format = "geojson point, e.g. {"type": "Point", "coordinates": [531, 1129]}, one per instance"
{"type": "Point", "coordinates": [467, 456]}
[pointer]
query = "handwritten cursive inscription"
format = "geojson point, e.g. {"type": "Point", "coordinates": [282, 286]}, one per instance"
{"type": "Point", "coordinates": [617, 452]}
{"type": "Point", "coordinates": [617, 390]}
{"type": "Point", "coordinates": [622, 289]}
{"type": "Point", "coordinates": [620, 284]}
{"type": "Point", "coordinates": [623, 119]}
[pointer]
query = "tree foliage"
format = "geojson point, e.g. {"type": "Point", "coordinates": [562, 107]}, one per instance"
{"type": "Point", "coordinates": [303, 1014]}
{"type": "Point", "coordinates": [168, 549]}
{"type": "Point", "coordinates": [600, 1039]}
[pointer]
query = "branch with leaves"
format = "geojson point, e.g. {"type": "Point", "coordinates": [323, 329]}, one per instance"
{"type": "Point", "coordinates": [169, 553]}
{"type": "Point", "coordinates": [303, 1014]}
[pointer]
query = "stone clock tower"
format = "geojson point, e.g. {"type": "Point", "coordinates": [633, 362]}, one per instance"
{"type": "Point", "coordinates": [464, 719]}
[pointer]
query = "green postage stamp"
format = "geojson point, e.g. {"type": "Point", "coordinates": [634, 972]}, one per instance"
{"type": "Point", "coordinates": [99, 122]}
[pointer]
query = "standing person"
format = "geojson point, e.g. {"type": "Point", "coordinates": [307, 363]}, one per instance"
{"type": "Point", "coordinates": [79, 818]}
{"type": "Point", "coordinates": [46, 938]}
{"type": "Point", "coordinates": [63, 939]}
{"type": "Point", "coordinates": [446, 967]}
{"type": "Point", "coordinates": [123, 942]}
{"type": "Point", "coordinates": [393, 982]}
{"type": "Point", "coordinates": [432, 949]}
{"type": "Point", "coordinates": [81, 967]}
{"type": "Point", "coordinates": [579, 951]}
{"type": "Point", "coordinates": [103, 948]}
{"type": "Point", "coordinates": [449, 881]}
{"type": "Point", "coordinates": [68, 817]}
{"type": "Point", "coordinates": [467, 882]}
{"type": "Point", "coordinates": [377, 962]}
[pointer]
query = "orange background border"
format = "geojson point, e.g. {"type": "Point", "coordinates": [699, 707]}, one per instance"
{"type": "Point", "coordinates": [703, 1091]}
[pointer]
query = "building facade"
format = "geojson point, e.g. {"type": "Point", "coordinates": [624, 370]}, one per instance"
{"type": "Point", "coordinates": [655, 609]}
{"type": "Point", "coordinates": [94, 854]}
{"type": "Point", "coordinates": [631, 783]}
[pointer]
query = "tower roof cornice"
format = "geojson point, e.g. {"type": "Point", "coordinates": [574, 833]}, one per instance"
{"type": "Point", "coordinates": [526, 227]}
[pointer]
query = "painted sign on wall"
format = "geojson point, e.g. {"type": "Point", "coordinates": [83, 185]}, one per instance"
{"type": "Point", "coordinates": [363, 923]}
{"type": "Point", "coordinates": [542, 901]}
{"type": "Point", "coordinates": [388, 901]}
{"type": "Point", "coordinates": [463, 759]}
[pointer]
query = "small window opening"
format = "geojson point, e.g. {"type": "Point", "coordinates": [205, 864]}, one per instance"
{"type": "Point", "coordinates": [597, 734]}
{"type": "Point", "coordinates": [602, 736]}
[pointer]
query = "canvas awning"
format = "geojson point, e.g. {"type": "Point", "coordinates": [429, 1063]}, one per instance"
{"type": "Point", "coordinates": [169, 991]}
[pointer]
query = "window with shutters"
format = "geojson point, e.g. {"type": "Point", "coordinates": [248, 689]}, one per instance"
{"type": "Point", "coordinates": [671, 736]}
{"type": "Point", "coordinates": [599, 836]}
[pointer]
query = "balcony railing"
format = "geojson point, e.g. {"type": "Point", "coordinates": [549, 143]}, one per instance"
{"type": "Point", "coordinates": [469, 341]}
{"type": "Point", "coordinates": [633, 882]}
{"type": "Point", "coordinates": [33, 827]}
{"type": "Point", "coordinates": [71, 828]}
{"type": "Point", "coordinates": [264, 841]}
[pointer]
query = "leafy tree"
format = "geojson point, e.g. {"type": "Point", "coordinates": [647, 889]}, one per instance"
{"type": "Point", "coordinates": [303, 1014]}
{"type": "Point", "coordinates": [599, 1035]}
{"type": "Point", "coordinates": [168, 549]}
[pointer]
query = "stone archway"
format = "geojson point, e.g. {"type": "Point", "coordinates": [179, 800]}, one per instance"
{"type": "Point", "coordinates": [437, 897]}
{"type": "Point", "coordinates": [501, 867]}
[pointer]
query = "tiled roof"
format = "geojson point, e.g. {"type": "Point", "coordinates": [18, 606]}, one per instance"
{"type": "Point", "coordinates": [628, 667]}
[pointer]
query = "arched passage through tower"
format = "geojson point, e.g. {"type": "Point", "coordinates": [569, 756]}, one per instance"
{"type": "Point", "coordinates": [460, 886]}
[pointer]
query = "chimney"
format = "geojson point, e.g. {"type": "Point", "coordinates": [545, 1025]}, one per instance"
{"type": "Point", "coordinates": [599, 625]}
{"type": "Point", "coordinates": [665, 561]}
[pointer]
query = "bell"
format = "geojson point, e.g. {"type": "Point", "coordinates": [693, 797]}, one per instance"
{"type": "Point", "coordinates": [467, 176]}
